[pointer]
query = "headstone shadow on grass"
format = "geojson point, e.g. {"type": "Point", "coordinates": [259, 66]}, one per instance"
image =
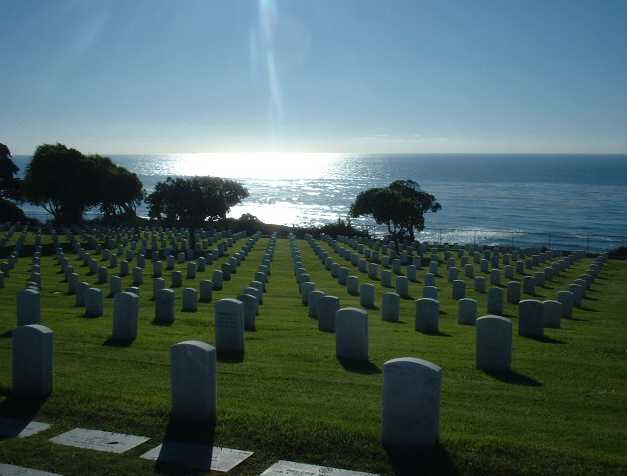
{"type": "Point", "coordinates": [155, 322]}
{"type": "Point", "coordinates": [359, 366]}
{"type": "Point", "coordinates": [230, 357]}
{"type": "Point", "coordinates": [589, 309]}
{"type": "Point", "coordinates": [113, 342]}
{"type": "Point", "coordinates": [7, 334]}
{"type": "Point", "coordinates": [435, 334]}
{"type": "Point", "coordinates": [577, 319]}
{"type": "Point", "coordinates": [547, 340]}
{"type": "Point", "coordinates": [177, 438]}
{"type": "Point", "coordinates": [436, 461]}
{"type": "Point", "coordinates": [22, 410]}
{"type": "Point", "coordinates": [514, 378]}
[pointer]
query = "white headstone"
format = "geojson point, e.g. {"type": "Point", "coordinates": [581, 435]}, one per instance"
{"type": "Point", "coordinates": [411, 273]}
{"type": "Point", "coordinates": [552, 314]}
{"type": "Point", "coordinates": [32, 361]}
{"type": "Point", "coordinates": [165, 302]}
{"type": "Point", "coordinates": [531, 318]}
{"type": "Point", "coordinates": [351, 334]}
{"type": "Point", "coordinates": [28, 307]}
{"type": "Point", "coordinates": [250, 310]}
{"type": "Point", "coordinates": [177, 279]}
{"type": "Point", "coordinates": [352, 285]}
{"type": "Point", "coordinates": [391, 307]}
{"type": "Point", "coordinates": [306, 288]}
{"type": "Point", "coordinates": [529, 285]}
{"type": "Point", "coordinates": [513, 292]}
{"type": "Point", "coordinates": [314, 300]}
{"type": "Point", "coordinates": [191, 270]}
{"type": "Point", "coordinates": [125, 316]}
{"type": "Point", "coordinates": [190, 300]}
{"type": "Point", "coordinates": [495, 301]}
{"type": "Point", "coordinates": [493, 352]}
{"type": "Point", "coordinates": [459, 289]}
{"type": "Point", "coordinates": [94, 302]}
{"type": "Point", "coordinates": [427, 315]}
{"type": "Point", "coordinates": [567, 299]}
{"type": "Point", "coordinates": [327, 307]}
{"type": "Point", "coordinates": [229, 321]}
{"type": "Point", "coordinates": [467, 311]}
{"type": "Point", "coordinates": [411, 403]}
{"type": "Point", "coordinates": [194, 394]}
{"type": "Point", "coordinates": [115, 285]}
{"type": "Point", "coordinates": [206, 290]}
{"type": "Point", "coordinates": [386, 278]}
{"type": "Point", "coordinates": [480, 284]}
{"type": "Point", "coordinates": [367, 295]}
{"type": "Point", "coordinates": [217, 279]}
{"type": "Point", "coordinates": [430, 292]}
{"type": "Point", "coordinates": [157, 285]}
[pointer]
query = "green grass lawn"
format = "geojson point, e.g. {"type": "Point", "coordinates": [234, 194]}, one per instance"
{"type": "Point", "coordinates": [290, 398]}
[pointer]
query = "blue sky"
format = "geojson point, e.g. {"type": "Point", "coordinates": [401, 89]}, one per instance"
{"type": "Point", "coordinates": [148, 76]}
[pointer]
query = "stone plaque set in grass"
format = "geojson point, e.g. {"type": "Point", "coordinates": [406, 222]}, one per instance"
{"type": "Point", "coordinates": [291, 468]}
{"type": "Point", "coordinates": [12, 470]}
{"type": "Point", "coordinates": [99, 440]}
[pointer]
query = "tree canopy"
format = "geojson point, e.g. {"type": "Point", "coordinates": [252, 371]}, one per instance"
{"type": "Point", "coordinates": [194, 201]}
{"type": "Point", "coordinates": [67, 183]}
{"type": "Point", "coordinates": [400, 206]}
{"type": "Point", "coordinates": [9, 184]}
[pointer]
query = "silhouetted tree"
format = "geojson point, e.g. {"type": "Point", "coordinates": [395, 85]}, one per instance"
{"type": "Point", "coordinates": [66, 183]}
{"type": "Point", "coordinates": [400, 206]}
{"type": "Point", "coordinates": [414, 204]}
{"type": "Point", "coordinates": [121, 191]}
{"type": "Point", "coordinates": [9, 183]}
{"type": "Point", "coordinates": [194, 202]}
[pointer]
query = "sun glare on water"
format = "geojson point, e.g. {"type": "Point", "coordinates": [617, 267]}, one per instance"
{"type": "Point", "coordinates": [263, 166]}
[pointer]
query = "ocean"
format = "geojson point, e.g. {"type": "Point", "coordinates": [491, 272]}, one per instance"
{"type": "Point", "coordinates": [560, 201]}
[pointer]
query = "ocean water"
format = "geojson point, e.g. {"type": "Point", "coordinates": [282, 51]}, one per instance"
{"type": "Point", "coordinates": [570, 201]}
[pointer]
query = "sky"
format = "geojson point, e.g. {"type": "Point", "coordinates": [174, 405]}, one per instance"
{"type": "Point", "coordinates": [352, 76]}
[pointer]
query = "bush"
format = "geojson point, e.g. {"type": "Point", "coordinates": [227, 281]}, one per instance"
{"type": "Point", "coordinates": [11, 213]}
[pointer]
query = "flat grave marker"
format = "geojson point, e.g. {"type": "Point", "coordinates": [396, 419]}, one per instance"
{"type": "Point", "coordinates": [11, 470]}
{"type": "Point", "coordinates": [290, 468]}
{"type": "Point", "coordinates": [197, 456]}
{"type": "Point", "coordinates": [99, 440]}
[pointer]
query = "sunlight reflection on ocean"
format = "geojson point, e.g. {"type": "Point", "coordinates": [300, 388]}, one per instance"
{"type": "Point", "coordinates": [559, 194]}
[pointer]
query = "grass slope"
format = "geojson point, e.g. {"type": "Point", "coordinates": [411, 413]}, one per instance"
{"type": "Point", "coordinates": [562, 412]}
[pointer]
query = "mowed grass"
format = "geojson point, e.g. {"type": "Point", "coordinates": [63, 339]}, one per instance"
{"type": "Point", "coordinates": [563, 411]}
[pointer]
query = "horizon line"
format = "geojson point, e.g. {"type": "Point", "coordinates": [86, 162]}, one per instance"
{"type": "Point", "coordinates": [283, 153]}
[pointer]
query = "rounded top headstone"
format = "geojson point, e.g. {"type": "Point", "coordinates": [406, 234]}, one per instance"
{"type": "Point", "coordinates": [228, 305]}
